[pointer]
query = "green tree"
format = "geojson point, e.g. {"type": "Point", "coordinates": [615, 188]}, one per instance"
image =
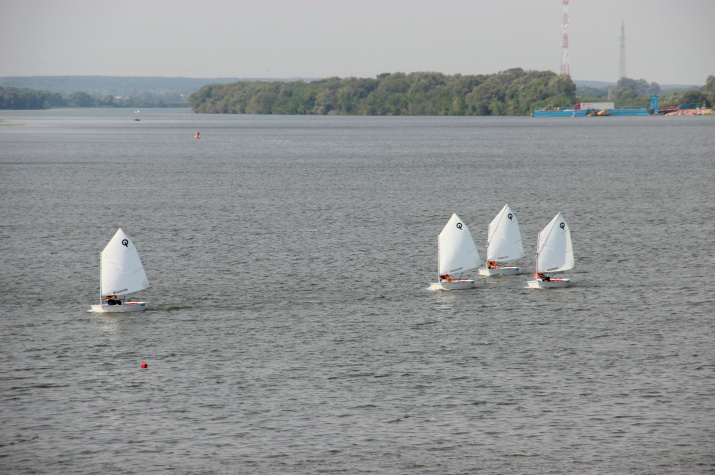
{"type": "Point", "coordinates": [326, 102]}
{"type": "Point", "coordinates": [709, 91]}
{"type": "Point", "coordinates": [261, 101]}
{"type": "Point", "coordinates": [80, 99]}
{"type": "Point", "coordinates": [395, 83]}
{"type": "Point", "coordinates": [694, 97]}
{"type": "Point", "coordinates": [626, 93]}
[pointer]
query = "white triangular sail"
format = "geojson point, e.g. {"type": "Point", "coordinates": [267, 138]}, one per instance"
{"type": "Point", "coordinates": [122, 270]}
{"type": "Point", "coordinates": [457, 251]}
{"type": "Point", "coordinates": [554, 252]}
{"type": "Point", "coordinates": [504, 238]}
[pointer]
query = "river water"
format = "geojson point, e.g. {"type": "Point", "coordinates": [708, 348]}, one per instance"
{"type": "Point", "coordinates": [289, 327]}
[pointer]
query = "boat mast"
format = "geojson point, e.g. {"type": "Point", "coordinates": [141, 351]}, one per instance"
{"type": "Point", "coordinates": [438, 274]}
{"type": "Point", "coordinates": [536, 257]}
{"type": "Point", "coordinates": [100, 278]}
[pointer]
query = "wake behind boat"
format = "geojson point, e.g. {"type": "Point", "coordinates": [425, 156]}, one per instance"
{"type": "Point", "coordinates": [503, 244]}
{"type": "Point", "coordinates": [457, 253]}
{"type": "Point", "coordinates": [554, 253]}
{"type": "Point", "coordinates": [121, 273]}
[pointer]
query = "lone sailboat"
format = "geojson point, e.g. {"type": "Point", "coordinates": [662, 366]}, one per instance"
{"type": "Point", "coordinates": [457, 254]}
{"type": "Point", "coordinates": [503, 244]}
{"type": "Point", "coordinates": [554, 253]}
{"type": "Point", "coordinates": [121, 273]}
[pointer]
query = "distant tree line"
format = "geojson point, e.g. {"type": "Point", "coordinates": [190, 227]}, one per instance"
{"type": "Point", "coordinates": [510, 92]}
{"type": "Point", "coordinates": [628, 92]}
{"type": "Point", "coordinates": [24, 98]}
{"type": "Point", "coordinates": [21, 98]}
{"type": "Point", "coordinates": [123, 86]}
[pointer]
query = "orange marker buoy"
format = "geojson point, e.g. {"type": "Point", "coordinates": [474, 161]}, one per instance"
{"type": "Point", "coordinates": [144, 365]}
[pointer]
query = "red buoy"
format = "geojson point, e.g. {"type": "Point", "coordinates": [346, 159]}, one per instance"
{"type": "Point", "coordinates": [144, 365]}
{"type": "Point", "coordinates": [198, 135]}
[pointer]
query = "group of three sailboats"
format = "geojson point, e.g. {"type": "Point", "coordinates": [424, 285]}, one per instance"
{"type": "Point", "coordinates": [458, 254]}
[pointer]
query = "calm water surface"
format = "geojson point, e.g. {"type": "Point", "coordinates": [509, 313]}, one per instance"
{"type": "Point", "coordinates": [289, 327]}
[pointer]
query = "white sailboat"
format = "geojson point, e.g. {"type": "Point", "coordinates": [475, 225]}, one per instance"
{"type": "Point", "coordinates": [457, 254]}
{"type": "Point", "coordinates": [503, 244]}
{"type": "Point", "coordinates": [121, 273]}
{"type": "Point", "coordinates": [554, 253]}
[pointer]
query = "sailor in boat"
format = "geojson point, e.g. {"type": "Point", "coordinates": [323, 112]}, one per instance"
{"type": "Point", "coordinates": [492, 265]}
{"type": "Point", "coordinates": [113, 300]}
{"type": "Point", "coordinates": [541, 277]}
{"type": "Point", "coordinates": [445, 278]}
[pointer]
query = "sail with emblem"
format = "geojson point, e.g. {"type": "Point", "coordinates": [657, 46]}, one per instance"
{"type": "Point", "coordinates": [457, 254]}
{"type": "Point", "coordinates": [554, 252]}
{"type": "Point", "coordinates": [503, 244]}
{"type": "Point", "coordinates": [122, 270]}
{"type": "Point", "coordinates": [457, 251]}
{"type": "Point", "coordinates": [504, 239]}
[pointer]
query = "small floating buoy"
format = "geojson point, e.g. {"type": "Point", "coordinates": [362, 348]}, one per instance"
{"type": "Point", "coordinates": [198, 135]}
{"type": "Point", "coordinates": [144, 365]}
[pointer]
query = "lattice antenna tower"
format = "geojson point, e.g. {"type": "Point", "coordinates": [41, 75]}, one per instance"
{"type": "Point", "coordinates": [622, 63]}
{"type": "Point", "coordinates": [565, 68]}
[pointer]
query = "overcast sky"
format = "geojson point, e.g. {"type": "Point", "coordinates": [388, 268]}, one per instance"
{"type": "Point", "coordinates": [667, 41]}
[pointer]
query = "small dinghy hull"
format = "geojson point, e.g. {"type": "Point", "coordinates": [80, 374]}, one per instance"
{"type": "Point", "coordinates": [126, 307]}
{"type": "Point", "coordinates": [499, 271]}
{"type": "Point", "coordinates": [454, 285]}
{"type": "Point", "coordinates": [548, 284]}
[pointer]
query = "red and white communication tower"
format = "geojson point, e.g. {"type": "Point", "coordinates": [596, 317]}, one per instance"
{"type": "Point", "coordinates": [565, 68]}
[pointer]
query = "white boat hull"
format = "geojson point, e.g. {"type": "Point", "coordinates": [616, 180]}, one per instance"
{"type": "Point", "coordinates": [126, 307]}
{"type": "Point", "coordinates": [548, 284]}
{"type": "Point", "coordinates": [499, 271]}
{"type": "Point", "coordinates": [454, 285]}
